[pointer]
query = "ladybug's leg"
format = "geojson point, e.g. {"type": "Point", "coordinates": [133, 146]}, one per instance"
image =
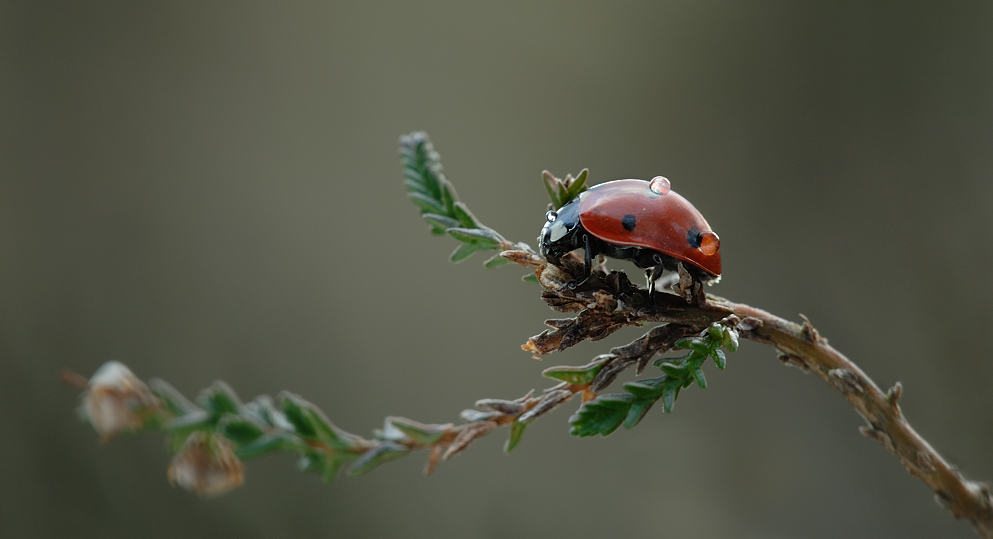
{"type": "Point", "coordinates": [588, 264]}
{"type": "Point", "coordinates": [654, 274]}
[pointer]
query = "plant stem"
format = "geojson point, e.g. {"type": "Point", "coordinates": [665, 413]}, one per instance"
{"type": "Point", "coordinates": [802, 346]}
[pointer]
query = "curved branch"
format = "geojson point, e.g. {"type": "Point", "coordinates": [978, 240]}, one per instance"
{"type": "Point", "coordinates": [799, 345]}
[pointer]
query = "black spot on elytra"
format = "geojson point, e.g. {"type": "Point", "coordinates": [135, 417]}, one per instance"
{"type": "Point", "coordinates": [694, 237]}
{"type": "Point", "coordinates": [629, 222]}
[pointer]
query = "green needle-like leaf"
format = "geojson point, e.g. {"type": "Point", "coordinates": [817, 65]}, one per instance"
{"type": "Point", "coordinates": [427, 204]}
{"type": "Point", "coordinates": [179, 428]}
{"type": "Point", "coordinates": [575, 375]}
{"type": "Point", "coordinates": [294, 408]}
{"type": "Point", "coordinates": [177, 403]}
{"type": "Point", "coordinates": [646, 393]}
{"type": "Point", "coordinates": [639, 409]}
{"type": "Point", "coordinates": [496, 261]}
{"type": "Point", "coordinates": [239, 430]}
{"type": "Point", "coordinates": [440, 223]}
{"type": "Point", "coordinates": [677, 371]}
{"type": "Point", "coordinates": [700, 348]}
{"type": "Point", "coordinates": [578, 186]}
{"type": "Point", "coordinates": [263, 410]}
{"type": "Point", "coordinates": [327, 432]}
{"type": "Point", "coordinates": [669, 393]}
{"type": "Point", "coordinates": [697, 373]}
{"type": "Point", "coordinates": [382, 453]}
{"type": "Point", "coordinates": [516, 431]}
{"type": "Point", "coordinates": [333, 464]}
{"type": "Point", "coordinates": [484, 238]}
{"type": "Point", "coordinates": [464, 216]}
{"type": "Point", "coordinates": [650, 388]}
{"type": "Point", "coordinates": [463, 252]}
{"type": "Point", "coordinates": [220, 399]}
{"type": "Point", "coordinates": [716, 333]}
{"type": "Point", "coordinates": [269, 443]}
{"type": "Point", "coordinates": [731, 340]}
{"type": "Point", "coordinates": [602, 415]}
{"type": "Point", "coordinates": [448, 200]}
{"type": "Point", "coordinates": [313, 461]}
{"type": "Point", "coordinates": [719, 358]}
{"type": "Point", "coordinates": [420, 432]}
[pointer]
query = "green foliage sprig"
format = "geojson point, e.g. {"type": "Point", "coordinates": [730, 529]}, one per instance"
{"type": "Point", "coordinates": [210, 437]}
{"type": "Point", "coordinates": [562, 191]}
{"type": "Point", "coordinates": [606, 413]}
{"type": "Point", "coordinates": [440, 206]}
{"type": "Point", "coordinates": [262, 426]}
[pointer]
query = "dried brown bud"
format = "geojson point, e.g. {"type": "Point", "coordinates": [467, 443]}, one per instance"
{"type": "Point", "coordinates": [609, 372]}
{"type": "Point", "coordinates": [523, 258]}
{"type": "Point", "coordinates": [810, 333]}
{"type": "Point", "coordinates": [548, 402]}
{"type": "Point", "coordinates": [117, 400]}
{"type": "Point", "coordinates": [749, 323]}
{"type": "Point", "coordinates": [433, 458]}
{"type": "Point", "coordinates": [505, 407]}
{"type": "Point", "coordinates": [206, 465]}
{"type": "Point", "coordinates": [467, 435]}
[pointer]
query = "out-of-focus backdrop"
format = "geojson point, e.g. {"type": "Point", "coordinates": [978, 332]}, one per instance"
{"type": "Point", "coordinates": [212, 191]}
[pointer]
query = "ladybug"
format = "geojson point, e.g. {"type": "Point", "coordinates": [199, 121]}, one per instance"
{"type": "Point", "coordinates": [637, 220]}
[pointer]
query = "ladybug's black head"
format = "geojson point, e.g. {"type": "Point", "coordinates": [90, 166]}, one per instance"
{"type": "Point", "coordinates": [562, 231]}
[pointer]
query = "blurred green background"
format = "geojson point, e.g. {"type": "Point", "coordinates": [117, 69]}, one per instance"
{"type": "Point", "coordinates": [212, 191]}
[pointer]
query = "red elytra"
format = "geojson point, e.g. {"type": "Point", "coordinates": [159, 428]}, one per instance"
{"type": "Point", "coordinates": [648, 215]}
